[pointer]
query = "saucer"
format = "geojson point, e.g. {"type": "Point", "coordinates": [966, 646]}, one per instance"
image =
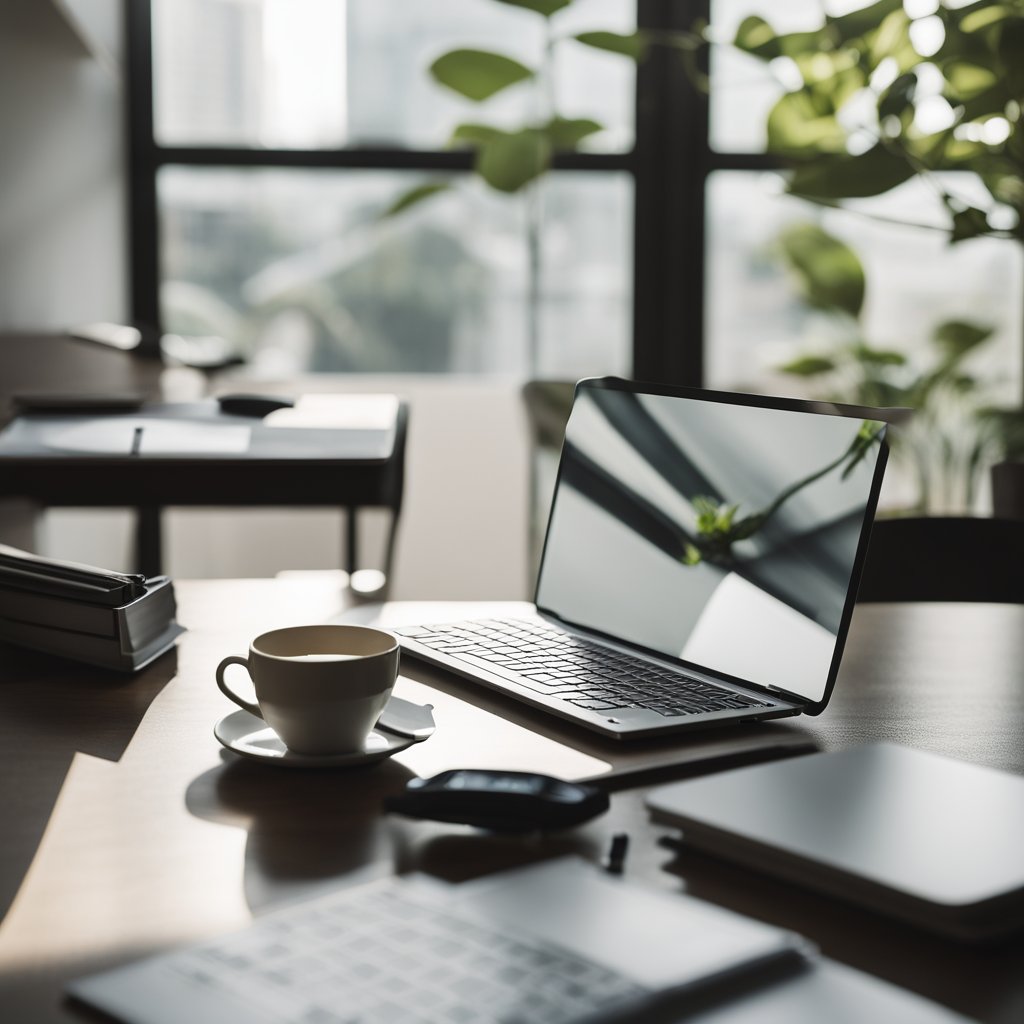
{"type": "Point", "coordinates": [251, 737]}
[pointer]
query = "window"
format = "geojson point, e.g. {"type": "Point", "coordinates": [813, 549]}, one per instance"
{"type": "Point", "coordinates": [269, 136]}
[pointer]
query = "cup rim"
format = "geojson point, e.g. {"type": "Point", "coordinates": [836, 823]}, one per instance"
{"type": "Point", "coordinates": [394, 644]}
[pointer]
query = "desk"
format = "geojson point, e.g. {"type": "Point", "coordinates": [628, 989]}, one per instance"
{"type": "Point", "coordinates": [126, 830]}
{"type": "Point", "coordinates": [102, 460]}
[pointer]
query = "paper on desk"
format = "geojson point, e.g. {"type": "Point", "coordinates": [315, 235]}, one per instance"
{"type": "Point", "coordinates": [142, 435]}
{"type": "Point", "coordinates": [338, 412]}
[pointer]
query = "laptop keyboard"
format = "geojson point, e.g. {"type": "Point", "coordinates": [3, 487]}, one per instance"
{"type": "Point", "coordinates": [388, 953]}
{"type": "Point", "coordinates": [585, 675]}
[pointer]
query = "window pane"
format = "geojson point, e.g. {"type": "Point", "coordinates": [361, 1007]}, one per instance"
{"type": "Point", "coordinates": [299, 269]}
{"type": "Point", "coordinates": [330, 73]}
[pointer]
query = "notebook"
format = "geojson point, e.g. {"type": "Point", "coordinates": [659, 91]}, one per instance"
{"type": "Point", "coordinates": [557, 942]}
{"type": "Point", "coordinates": [700, 564]}
{"type": "Point", "coordinates": [910, 834]}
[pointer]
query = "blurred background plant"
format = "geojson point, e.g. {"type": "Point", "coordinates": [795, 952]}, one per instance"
{"type": "Point", "coordinates": [958, 430]}
{"type": "Point", "coordinates": [896, 90]}
{"type": "Point", "coordinates": [514, 160]}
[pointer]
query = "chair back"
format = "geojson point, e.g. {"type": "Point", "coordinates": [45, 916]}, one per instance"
{"type": "Point", "coordinates": [941, 558]}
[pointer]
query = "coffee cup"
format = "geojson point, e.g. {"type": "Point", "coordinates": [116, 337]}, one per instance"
{"type": "Point", "coordinates": [320, 688]}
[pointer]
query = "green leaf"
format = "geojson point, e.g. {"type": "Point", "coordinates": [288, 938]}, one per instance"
{"type": "Point", "coordinates": [966, 81]}
{"type": "Point", "coordinates": [809, 366]}
{"type": "Point", "coordinates": [796, 127]}
{"type": "Point", "coordinates": [878, 356]}
{"type": "Point", "coordinates": [849, 27]}
{"type": "Point", "coordinates": [851, 177]}
{"type": "Point", "coordinates": [416, 195]}
{"type": "Point", "coordinates": [969, 223]}
{"type": "Point", "coordinates": [568, 133]}
{"type": "Point", "coordinates": [1010, 52]}
{"type": "Point", "coordinates": [756, 36]}
{"type": "Point", "coordinates": [633, 45]}
{"type": "Point", "coordinates": [513, 159]}
{"type": "Point", "coordinates": [545, 7]}
{"type": "Point", "coordinates": [478, 74]}
{"type": "Point", "coordinates": [881, 393]}
{"type": "Point", "coordinates": [898, 97]}
{"type": "Point", "coordinates": [892, 39]}
{"type": "Point", "coordinates": [474, 134]}
{"type": "Point", "coordinates": [982, 18]}
{"type": "Point", "coordinates": [830, 274]}
{"type": "Point", "coordinates": [957, 337]}
{"type": "Point", "coordinates": [691, 555]}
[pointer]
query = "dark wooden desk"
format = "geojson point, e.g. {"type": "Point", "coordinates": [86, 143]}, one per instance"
{"type": "Point", "coordinates": [127, 830]}
{"type": "Point", "coordinates": [338, 469]}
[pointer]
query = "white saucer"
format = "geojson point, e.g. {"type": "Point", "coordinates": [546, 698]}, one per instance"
{"type": "Point", "coordinates": [251, 737]}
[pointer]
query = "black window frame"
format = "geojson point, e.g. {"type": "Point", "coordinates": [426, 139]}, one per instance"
{"type": "Point", "coordinates": [670, 163]}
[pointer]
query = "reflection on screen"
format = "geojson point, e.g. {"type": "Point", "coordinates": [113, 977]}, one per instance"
{"type": "Point", "coordinates": [721, 534]}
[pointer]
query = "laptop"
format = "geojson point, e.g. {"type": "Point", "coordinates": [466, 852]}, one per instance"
{"type": "Point", "coordinates": [700, 564]}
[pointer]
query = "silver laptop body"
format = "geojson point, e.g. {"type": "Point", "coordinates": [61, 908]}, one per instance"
{"type": "Point", "coordinates": [700, 564]}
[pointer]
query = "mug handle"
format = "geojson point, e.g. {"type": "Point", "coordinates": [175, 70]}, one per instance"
{"type": "Point", "coordinates": [253, 709]}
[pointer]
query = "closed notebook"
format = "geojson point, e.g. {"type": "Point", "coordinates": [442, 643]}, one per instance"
{"type": "Point", "coordinates": [907, 833]}
{"type": "Point", "coordinates": [114, 620]}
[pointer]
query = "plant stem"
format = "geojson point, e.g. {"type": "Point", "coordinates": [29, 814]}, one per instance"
{"type": "Point", "coordinates": [534, 254]}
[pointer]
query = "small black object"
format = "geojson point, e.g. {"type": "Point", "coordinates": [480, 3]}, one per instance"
{"type": "Point", "coordinates": [500, 801]}
{"type": "Point", "coordinates": [46, 402]}
{"type": "Point", "coordinates": [252, 405]}
{"type": "Point", "coordinates": [616, 859]}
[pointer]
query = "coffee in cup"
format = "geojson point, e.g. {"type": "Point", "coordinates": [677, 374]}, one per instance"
{"type": "Point", "coordinates": [320, 688]}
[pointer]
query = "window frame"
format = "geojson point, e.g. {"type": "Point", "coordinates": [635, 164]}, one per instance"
{"type": "Point", "coordinates": [670, 163]}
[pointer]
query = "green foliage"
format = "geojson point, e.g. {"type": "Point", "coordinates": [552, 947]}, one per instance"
{"type": "Point", "coordinates": [866, 60]}
{"type": "Point", "coordinates": [545, 7]}
{"type": "Point", "coordinates": [633, 45]}
{"type": "Point", "coordinates": [718, 529]}
{"type": "Point", "coordinates": [828, 271]}
{"type": "Point", "coordinates": [509, 160]}
{"type": "Point", "coordinates": [416, 195]}
{"type": "Point", "coordinates": [956, 432]}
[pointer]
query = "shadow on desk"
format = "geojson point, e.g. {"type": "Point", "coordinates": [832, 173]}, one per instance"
{"type": "Point", "coordinates": [303, 826]}
{"type": "Point", "coordinates": [306, 827]}
{"type": "Point", "coordinates": [50, 710]}
{"type": "Point", "coordinates": [956, 974]}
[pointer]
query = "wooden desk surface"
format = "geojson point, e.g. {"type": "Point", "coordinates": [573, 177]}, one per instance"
{"type": "Point", "coordinates": [126, 829]}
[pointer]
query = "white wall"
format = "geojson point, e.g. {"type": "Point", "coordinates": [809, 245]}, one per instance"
{"type": "Point", "coordinates": [62, 212]}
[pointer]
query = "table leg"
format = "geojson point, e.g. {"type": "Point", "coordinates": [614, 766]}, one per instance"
{"type": "Point", "coordinates": [148, 540]}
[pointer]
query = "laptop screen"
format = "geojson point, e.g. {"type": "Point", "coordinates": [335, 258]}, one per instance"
{"type": "Point", "coordinates": [720, 530]}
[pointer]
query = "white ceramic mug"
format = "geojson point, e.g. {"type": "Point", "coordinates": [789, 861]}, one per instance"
{"type": "Point", "coordinates": [320, 688]}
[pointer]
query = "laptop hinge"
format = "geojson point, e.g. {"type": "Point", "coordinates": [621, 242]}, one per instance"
{"type": "Point", "coordinates": [778, 691]}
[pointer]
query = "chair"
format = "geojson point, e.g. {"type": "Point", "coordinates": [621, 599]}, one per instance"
{"type": "Point", "coordinates": [547, 404]}
{"type": "Point", "coordinates": [1008, 489]}
{"type": "Point", "coordinates": [945, 559]}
